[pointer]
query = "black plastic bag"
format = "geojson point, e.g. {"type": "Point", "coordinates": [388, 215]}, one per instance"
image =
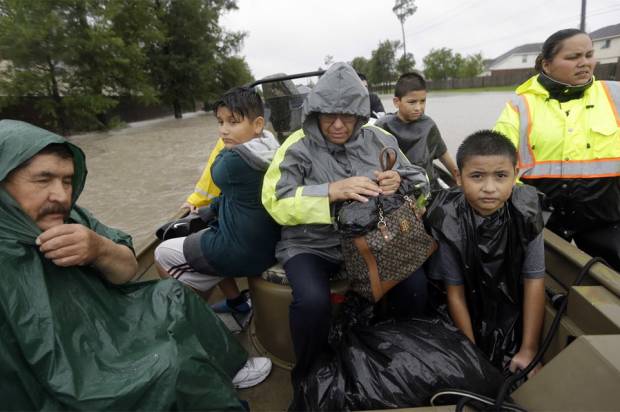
{"type": "Point", "coordinates": [391, 364]}
{"type": "Point", "coordinates": [187, 225]}
{"type": "Point", "coordinates": [357, 218]}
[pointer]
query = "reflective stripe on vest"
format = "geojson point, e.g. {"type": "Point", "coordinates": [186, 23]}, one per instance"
{"type": "Point", "coordinates": [556, 168]}
{"type": "Point", "coordinates": [612, 90]}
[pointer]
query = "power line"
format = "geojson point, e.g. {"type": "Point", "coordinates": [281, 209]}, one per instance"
{"type": "Point", "coordinates": [456, 11]}
{"type": "Point", "coordinates": [539, 26]}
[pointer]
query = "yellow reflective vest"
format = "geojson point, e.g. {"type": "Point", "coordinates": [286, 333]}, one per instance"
{"type": "Point", "coordinates": [575, 139]}
{"type": "Point", "coordinates": [206, 190]}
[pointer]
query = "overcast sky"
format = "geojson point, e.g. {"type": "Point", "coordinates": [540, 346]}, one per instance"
{"type": "Point", "coordinates": [295, 36]}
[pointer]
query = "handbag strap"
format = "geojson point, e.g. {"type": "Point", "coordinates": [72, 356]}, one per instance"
{"type": "Point", "coordinates": [387, 158]}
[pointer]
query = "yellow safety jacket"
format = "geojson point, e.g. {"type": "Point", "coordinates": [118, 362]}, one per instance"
{"type": "Point", "coordinates": [206, 190]}
{"type": "Point", "coordinates": [569, 150]}
{"type": "Point", "coordinates": [576, 139]}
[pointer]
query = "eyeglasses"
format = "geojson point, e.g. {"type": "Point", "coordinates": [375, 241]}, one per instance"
{"type": "Point", "coordinates": [330, 118]}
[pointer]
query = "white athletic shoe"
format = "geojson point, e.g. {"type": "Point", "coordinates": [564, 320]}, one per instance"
{"type": "Point", "coordinates": [253, 372]}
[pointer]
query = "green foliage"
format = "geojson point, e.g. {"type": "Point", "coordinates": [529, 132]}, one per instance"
{"type": "Point", "coordinates": [73, 58]}
{"type": "Point", "coordinates": [403, 9]}
{"type": "Point", "coordinates": [231, 72]}
{"type": "Point", "coordinates": [382, 64]}
{"type": "Point", "coordinates": [361, 64]}
{"type": "Point", "coordinates": [472, 66]}
{"type": "Point", "coordinates": [439, 64]}
{"type": "Point", "coordinates": [193, 48]}
{"type": "Point", "coordinates": [405, 64]}
{"type": "Point", "coordinates": [444, 64]}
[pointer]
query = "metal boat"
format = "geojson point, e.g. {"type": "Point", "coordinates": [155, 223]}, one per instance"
{"type": "Point", "coordinates": [582, 363]}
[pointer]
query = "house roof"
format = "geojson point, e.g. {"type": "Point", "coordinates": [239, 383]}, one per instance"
{"type": "Point", "coordinates": [524, 48]}
{"type": "Point", "coordinates": [605, 32]}
{"type": "Point", "coordinates": [602, 33]}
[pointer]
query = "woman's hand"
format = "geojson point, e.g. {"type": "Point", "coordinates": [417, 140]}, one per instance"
{"type": "Point", "coordinates": [389, 181]}
{"type": "Point", "coordinates": [353, 188]}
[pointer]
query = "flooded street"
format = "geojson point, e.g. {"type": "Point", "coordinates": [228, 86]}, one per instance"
{"type": "Point", "coordinates": [460, 114]}
{"type": "Point", "coordinates": [140, 175]}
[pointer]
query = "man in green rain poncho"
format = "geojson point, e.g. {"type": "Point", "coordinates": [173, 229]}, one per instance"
{"type": "Point", "coordinates": [73, 334]}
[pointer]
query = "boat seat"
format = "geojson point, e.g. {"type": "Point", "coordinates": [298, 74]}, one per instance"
{"type": "Point", "coordinates": [271, 296]}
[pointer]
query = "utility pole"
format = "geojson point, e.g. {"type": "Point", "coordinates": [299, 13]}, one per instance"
{"type": "Point", "coordinates": [404, 9]}
{"type": "Point", "coordinates": [582, 24]}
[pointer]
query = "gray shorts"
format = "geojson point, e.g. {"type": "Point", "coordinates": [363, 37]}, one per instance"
{"type": "Point", "coordinates": [169, 255]}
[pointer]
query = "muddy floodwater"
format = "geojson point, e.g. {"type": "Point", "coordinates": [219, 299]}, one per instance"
{"type": "Point", "coordinates": [138, 176]}
{"type": "Point", "coordinates": [459, 114]}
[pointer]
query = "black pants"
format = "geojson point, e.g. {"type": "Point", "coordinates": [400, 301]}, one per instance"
{"type": "Point", "coordinates": [310, 311]}
{"type": "Point", "coordinates": [602, 241]}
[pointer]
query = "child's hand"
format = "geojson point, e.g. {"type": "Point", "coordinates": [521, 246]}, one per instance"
{"type": "Point", "coordinates": [192, 208]}
{"type": "Point", "coordinates": [389, 181]}
{"type": "Point", "coordinates": [521, 360]}
{"type": "Point", "coordinates": [419, 212]}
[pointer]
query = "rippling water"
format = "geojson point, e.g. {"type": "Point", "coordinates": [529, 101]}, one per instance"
{"type": "Point", "coordinates": [140, 175]}
{"type": "Point", "coordinates": [460, 114]}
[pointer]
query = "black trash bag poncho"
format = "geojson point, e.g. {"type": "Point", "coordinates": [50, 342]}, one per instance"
{"type": "Point", "coordinates": [391, 364]}
{"type": "Point", "coordinates": [491, 254]}
{"type": "Point", "coordinates": [69, 340]}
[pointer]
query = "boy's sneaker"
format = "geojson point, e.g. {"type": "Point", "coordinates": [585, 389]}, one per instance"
{"type": "Point", "coordinates": [253, 372]}
{"type": "Point", "coordinates": [223, 307]}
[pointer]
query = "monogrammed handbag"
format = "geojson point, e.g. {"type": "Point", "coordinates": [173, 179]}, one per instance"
{"type": "Point", "coordinates": [383, 240]}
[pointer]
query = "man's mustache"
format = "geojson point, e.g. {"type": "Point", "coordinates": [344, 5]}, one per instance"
{"type": "Point", "coordinates": [53, 208]}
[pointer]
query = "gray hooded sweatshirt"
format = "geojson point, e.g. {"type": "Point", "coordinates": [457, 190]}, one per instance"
{"type": "Point", "coordinates": [295, 189]}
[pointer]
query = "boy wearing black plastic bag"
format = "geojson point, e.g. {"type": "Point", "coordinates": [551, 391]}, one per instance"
{"type": "Point", "coordinates": [491, 251]}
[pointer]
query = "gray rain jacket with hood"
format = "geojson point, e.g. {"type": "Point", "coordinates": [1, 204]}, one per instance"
{"type": "Point", "coordinates": [295, 189]}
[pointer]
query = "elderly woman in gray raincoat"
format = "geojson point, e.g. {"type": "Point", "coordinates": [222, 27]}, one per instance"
{"type": "Point", "coordinates": [333, 158]}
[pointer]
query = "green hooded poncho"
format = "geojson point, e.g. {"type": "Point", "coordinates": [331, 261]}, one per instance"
{"type": "Point", "coordinates": [71, 340]}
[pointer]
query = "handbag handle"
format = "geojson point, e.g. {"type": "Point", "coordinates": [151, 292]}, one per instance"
{"type": "Point", "coordinates": [387, 158]}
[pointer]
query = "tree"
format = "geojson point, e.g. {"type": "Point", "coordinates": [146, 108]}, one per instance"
{"type": "Point", "coordinates": [108, 39]}
{"type": "Point", "coordinates": [404, 9]}
{"type": "Point", "coordinates": [360, 64]}
{"type": "Point", "coordinates": [67, 55]}
{"type": "Point", "coordinates": [231, 72]}
{"type": "Point", "coordinates": [382, 64]}
{"type": "Point", "coordinates": [444, 63]}
{"type": "Point", "coordinates": [472, 65]}
{"type": "Point", "coordinates": [405, 64]}
{"type": "Point", "coordinates": [440, 64]}
{"type": "Point", "coordinates": [194, 45]}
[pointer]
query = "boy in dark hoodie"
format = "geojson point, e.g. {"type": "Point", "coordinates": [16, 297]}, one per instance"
{"type": "Point", "coordinates": [491, 251]}
{"type": "Point", "coordinates": [242, 239]}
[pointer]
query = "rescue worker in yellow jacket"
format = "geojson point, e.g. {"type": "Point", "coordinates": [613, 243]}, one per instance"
{"type": "Point", "coordinates": [566, 126]}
